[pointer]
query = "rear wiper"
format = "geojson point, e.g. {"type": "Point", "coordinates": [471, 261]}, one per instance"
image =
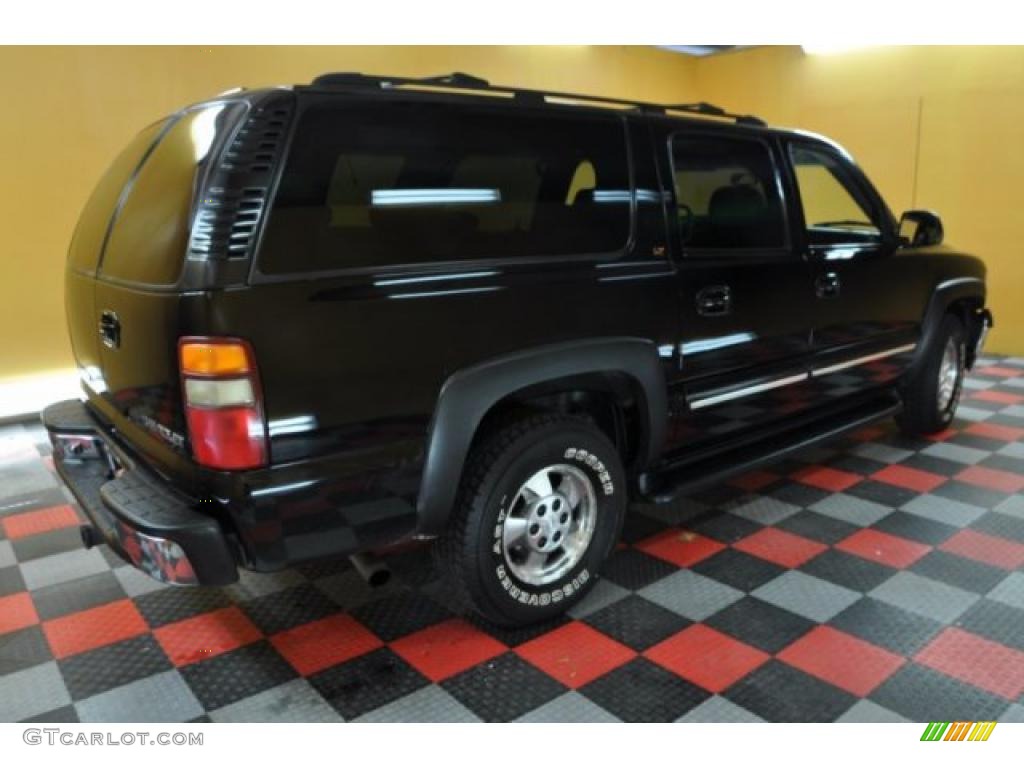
{"type": "Point", "coordinates": [844, 223]}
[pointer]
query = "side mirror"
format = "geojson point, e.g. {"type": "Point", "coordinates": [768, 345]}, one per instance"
{"type": "Point", "coordinates": [920, 229]}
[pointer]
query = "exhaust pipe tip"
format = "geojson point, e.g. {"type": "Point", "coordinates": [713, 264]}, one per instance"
{"type": "Point", "coordinates": [374, 571]}
{"type": "Point", "coordinates": [90, 536]}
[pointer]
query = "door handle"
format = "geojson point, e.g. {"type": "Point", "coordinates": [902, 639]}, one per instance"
{"type": "Point", "coordinates": [110, 329]}
{"type": "Point", "coordinates": [827, 285]}
{"type": "Point", "coordinates": [714, 301]}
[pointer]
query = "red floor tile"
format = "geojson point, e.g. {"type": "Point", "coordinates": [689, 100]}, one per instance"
{"type": "Point", "coordinates": [16, 612]}
{"type": "Point", "coordinates": [447, 648]}
{"type": "Point", "coordinates": [85, 630]}
{"type": "Point", "coordinates": [940, 437]}
{"type": "Point", "coordinates": [993, 479]}
{"type": "Point", "coordinates": [1003, 371]}
{"type": "Point", "coordinates": [841, 659]}
{"type": "Point", "coordinates": [975, 660]}
{"type": "Point", "coordinates": [1001, 553]}
{"type": "Point", "coordinates": [907, 477]}
{"type": "Point", "coordinates": [39, 521]}
{"type": "Point", "coordinates": [780, 547]}
{"type": "Point", "coordinates": [996, 396]}
{"type": "Point", "coordinates": [883, 548]}
{"type": "Point", "coordinates": [680, 547]}
{"type": "Point", "coordinates": [575, 654]}
{"type": "Point", "coordinates": [704, 656]}
{"type": "Point", "coordinates": [324, 643]}
{"type": "Point", "coordinates": [754, 481]}
{"type": "Point", "coordinates": [206, 636]}
{"type": "Point", "coordinates": [868, 434]}
{"type": "Point", "coordinates": [827, 479]}
{"type": "Point", "coordinates": [995, 431]}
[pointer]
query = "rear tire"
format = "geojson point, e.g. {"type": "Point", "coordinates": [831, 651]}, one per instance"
{"type": "Point", "coordinates": [539, 509]}
{"type": "Point", "coordinates": [931, 397]}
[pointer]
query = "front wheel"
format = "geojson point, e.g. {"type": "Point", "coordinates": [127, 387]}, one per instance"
{"type": "Point", "coordinates": [540, 507]}
{"type": "Point", "coordinates": [930, 399]}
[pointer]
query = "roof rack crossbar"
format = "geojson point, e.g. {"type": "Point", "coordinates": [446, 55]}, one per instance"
{"type": "Point", "coordinates": [463, 81]}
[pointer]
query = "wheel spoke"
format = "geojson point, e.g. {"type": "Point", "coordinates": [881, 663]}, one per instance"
{"type": "Point", "coordinates": [570, 488]}
{"type": "Point", "coordinates": [536, 560]}
{"type": "Point", "coordinates": [540, 484]}
{"type": "Point", "coordinates": [515, 530]}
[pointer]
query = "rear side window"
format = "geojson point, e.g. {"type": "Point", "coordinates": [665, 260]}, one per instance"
{"type": "Point", "coordinates": [87, 241]}
{"type": "Point", "coordinates": [727, 193]}
{"type": "Point", "coordinates": [148, 241]}
{"type": "Point", "coordinates": [406, 183]}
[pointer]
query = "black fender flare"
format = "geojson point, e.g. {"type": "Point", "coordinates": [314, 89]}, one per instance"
{"type": "Point", "coordinates": [943, 296]}
{"type": "Point", "coordinates": [468, 394]}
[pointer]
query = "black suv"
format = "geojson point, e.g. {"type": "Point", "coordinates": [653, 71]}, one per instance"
{"type": "Point", "coordinates": [321, 320]}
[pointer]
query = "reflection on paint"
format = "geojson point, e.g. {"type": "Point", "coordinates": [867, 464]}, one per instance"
{"type": "Point", "coordinates": [411, 197]}
{"type": "Point", "coordinates": [435, 278]}
{"type": "Point", "coordinates": [292, 426]}
{"type": "Point", "coordinates": [204, 129]}
{"type": "Point", "coordinates": [717, 342]}
{"type": "Point", "coordinates": [286, 488]}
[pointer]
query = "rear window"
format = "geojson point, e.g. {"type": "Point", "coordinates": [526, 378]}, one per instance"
{"type": "Point", "coordinates": [92, 224]}
{"type": "Point", "coordinates": [406, 183]}
{"type": "Point", "coordinates": [150, 235]}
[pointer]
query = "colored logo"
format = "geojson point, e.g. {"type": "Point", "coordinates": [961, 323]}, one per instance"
{"type": "Point", "coordinates": [959, 731]}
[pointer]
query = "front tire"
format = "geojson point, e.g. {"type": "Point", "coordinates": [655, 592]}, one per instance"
{"type": "Point", "coordinates": [931, 397]}
{"type": "Point", "coordinates": [539, 509]}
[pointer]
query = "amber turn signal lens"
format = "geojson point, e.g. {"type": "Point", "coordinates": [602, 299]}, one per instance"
{"type": "Point", "coordinates": [213, 359]}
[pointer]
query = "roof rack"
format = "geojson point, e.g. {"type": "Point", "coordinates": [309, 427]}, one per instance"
{"type": "Point", "coordinates": [462, 81]}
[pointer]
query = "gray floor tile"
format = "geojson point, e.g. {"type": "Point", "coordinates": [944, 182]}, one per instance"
{"type": "Point", "coordinates": [866, 711]}
{"type": "Point", "coordinates": [943, 510]}
{"type": "Point", "coordinates": [136, 583]}
{"type": "Point", "coordinates": [719, 710]}
{"type": "Point", "coordinates": [958, 453]}
{"type": "Point", "coordinates": [31, 692]}
{"type": "Point", "coordinates": [1013, 506]}
{"type": "Point", "coordinates": [7, 558]}
{"type": "Point", "coordinates": [603, 594]}
{"type": "Point", "coordinates": [881, 452]}
{"type": "Point", "coordinates": [294, 702]}
{"type": "Point", "coordinates": [691, 595]}
{"type": "Point", "coordinates": [1010, 590]}
{"type": "Point", "coordinates": [764, 510]}
{"type": "Point", "coordinates": [1013, 450]}
{"type": "Point", "coordinates": [251, 585]}
{"type": "Point", "coordinates": [430, 704]}
{"type": "Point", "coordinates": [570, 707]}
{"type": "Point", "coordinates": [925, 597]}
{"type": "Point", "coordinates": [972, 414]}
{"type": "Point", "coordinates": [806, 595]}
{"type": "Point", "coordinates": [26, 476]}
{"type": "Point", "coordinates": [851, 509]}
{"type": "Point", "coordinates": [162, 698]}
{"type": "Point", "coordinates": [1014, 714]}
{"type": "Point", "coordinates": [65, 566]}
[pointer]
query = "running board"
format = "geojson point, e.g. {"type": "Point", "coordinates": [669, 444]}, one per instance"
{"type": "Point", "coordinates": [669, 484]}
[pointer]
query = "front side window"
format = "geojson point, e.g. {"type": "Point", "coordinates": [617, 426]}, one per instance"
{"type": "Point", "coordinates": [835, 211]}
{"type": "Point", "coordinates": [727, 194]}
{"type": "Point", "coordinates": [376, 185]}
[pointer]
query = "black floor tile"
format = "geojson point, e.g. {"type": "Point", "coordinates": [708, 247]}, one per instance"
{"type": "Point", "coordinates": [170, 605]}
{"type": "Point", "coordinates": [995, 621]}
{"type": "Point", "coordinates": [780, 693]}
{"type": "Point", "coordinates": [99, 670]}
{"type": "Point", "coordinates": [638, 527]}
{"type": "Point", "coordinates": [78, 595]}
{"type": "Point", "coordinates": [400, 614]}
{"type": "Point", "coordinates": [723, 527]}
{"type": "Point", "coordinates": [881, 493]}
{"type": "Point", "coordinates": [934, 464]}
{"type": "Point", "coordinates": [915, 528]}
{"type": "Point", "coordinates": [11, 581]}
{"type": "Point", "coordinates": [848, 571]}
{"type": "Point", "coordinates": [503, 688]}
{"type": "Point", "coordinates": [738, 569]}
{"type": "Point", "coordinates": [643, 692]}
{"type": "Point", "coordinates": [859, 465]}
{"type": "Point", "coordinates": [886, 626]}
{"type": "Point", "coordinates": [1003, 463]}
{"type": "Point", "coordinates": [632, 569]}
{"type": "Point", "coordinates": [236, 675]}
{"type": "Point", "coordinates": [817, 527]}
{"type": "Point", "coordinates": [1003, 526]}
{"type": "Point", "coordinates": [923, 695]}
{"type": "Point", "coordinates": [759, 624]}
{"type": "Point", "coordinates": [62, 715]}
{"type": "Point", "coordinates": [958, 571]}
{"type": "Point", "coordinates": [46, 544]}
{"type": "Point", "coordinates": [970, 494]}
{"type": "Point", "coordinates": [799, 494]}
{"type": "Point", "coordinates": [367, 682]}
{"type": "Point", "coordinates": [637, 623]}
{"type": "Point", "coordinates": [289, 608]}
{"type": "Point", "coordinates": [22, 649]}
{"type": "Point", "coordinates": [513, 636]}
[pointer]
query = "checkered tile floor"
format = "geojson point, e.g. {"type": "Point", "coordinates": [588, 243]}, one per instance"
{"type": "Point", "coordinates": [878, 579]}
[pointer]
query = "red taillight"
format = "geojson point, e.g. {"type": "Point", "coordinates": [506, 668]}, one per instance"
{"type": "Point", "coordinates": [223, 404]}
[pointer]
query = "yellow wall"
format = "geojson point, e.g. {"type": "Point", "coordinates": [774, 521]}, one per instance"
{"type": "Point", "coordinates": [934, 127]}
{"type": "Point", "coordinates": [67, 111]}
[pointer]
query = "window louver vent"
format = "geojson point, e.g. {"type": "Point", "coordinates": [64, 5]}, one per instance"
{"type": "Point", "coordinates": [228, 217]}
